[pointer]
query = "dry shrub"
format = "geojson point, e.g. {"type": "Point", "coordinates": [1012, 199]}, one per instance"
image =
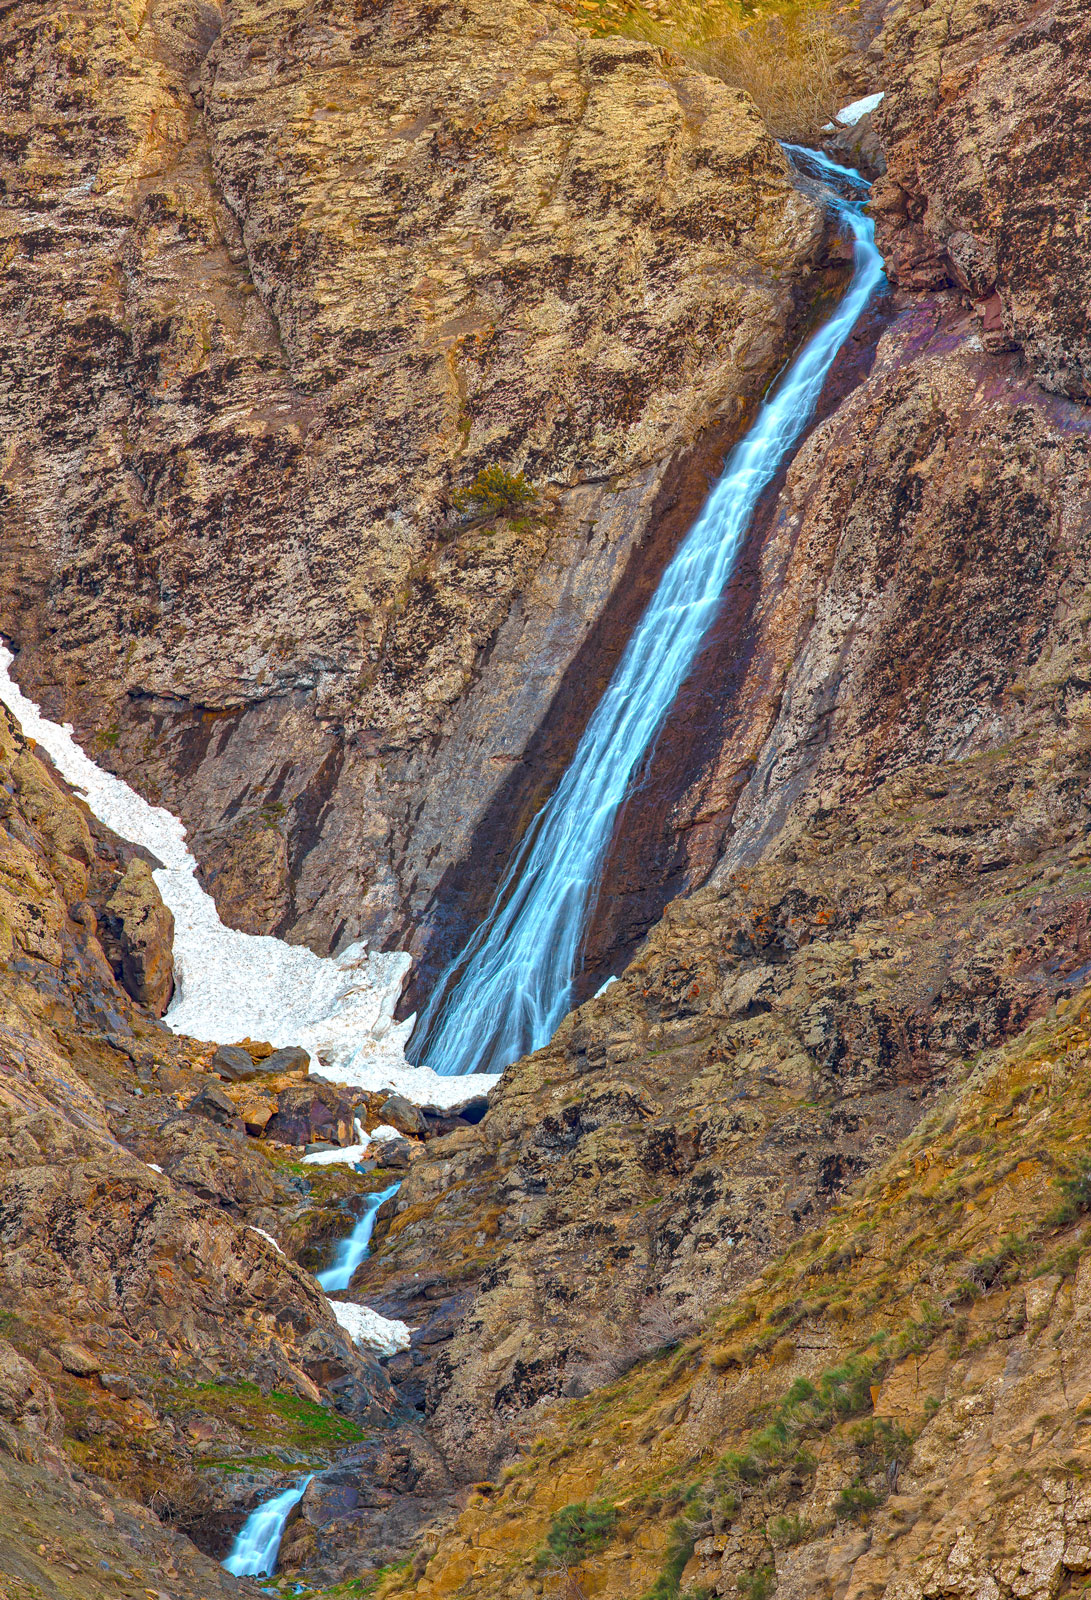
{"type": "Point", "coordinates": [788, 58]}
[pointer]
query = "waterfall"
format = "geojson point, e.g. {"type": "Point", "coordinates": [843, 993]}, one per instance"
{"type": "Point", "coordinates": [258, 1541]}
{"type": "Point", "coordinates": [351, 1251]}
{"type": "Point", "coordinates": [511, 985]}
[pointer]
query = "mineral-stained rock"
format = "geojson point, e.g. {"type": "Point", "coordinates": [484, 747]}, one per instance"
{"type": "Point", "coordinates": [986, 124]}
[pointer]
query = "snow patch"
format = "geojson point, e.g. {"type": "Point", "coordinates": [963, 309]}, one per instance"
{"type": "Point", "coordinates": [232, 985]}
{"type": "Point", "coordinates": [268, 1237]}
{"type": "Point", "coordinates": [352, 1152]}
{"type": "Point", "coordinates": [849, 116]}
{"type": "Point", "coordinates": [364, 1326]}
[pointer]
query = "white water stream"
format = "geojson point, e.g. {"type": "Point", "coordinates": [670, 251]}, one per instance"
{"type": "Point", "coordinates": [258, 1541]}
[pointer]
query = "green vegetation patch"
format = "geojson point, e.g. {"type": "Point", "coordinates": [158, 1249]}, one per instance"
{"type": "Point", "coordinates": [577, 1531]}
{"type": "Point", "coordinates": [494, 493]}
{"type": "Point", "coordinates": [280, 1419]}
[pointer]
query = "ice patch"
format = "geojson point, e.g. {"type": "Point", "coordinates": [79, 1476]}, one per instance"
{"type": "Point", "coordinates": [849, 116]}
{"type": "Point", "coordinates": [367, 1327]}
{"type": "Point", "coordinates": [232, 985]}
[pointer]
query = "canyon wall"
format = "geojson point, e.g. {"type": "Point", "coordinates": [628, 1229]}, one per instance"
{"type": "Point", "coordinates": [276, 284]}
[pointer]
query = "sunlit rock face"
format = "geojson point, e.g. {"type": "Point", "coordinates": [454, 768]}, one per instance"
{"type": "Point", "coordinates": [329, 265]}
{"type": "Point", "coordinates": [986, 131]}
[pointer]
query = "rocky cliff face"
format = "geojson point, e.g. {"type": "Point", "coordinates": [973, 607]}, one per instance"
{"type": "Point", "coordinates": [895, 807]}
{"type": "Point", "coordinates": [329, 267]}
{"type": "Point", "coordinates": [155, 1343]}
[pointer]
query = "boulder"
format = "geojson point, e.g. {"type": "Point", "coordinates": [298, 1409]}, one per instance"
{"type": "Point", "coordinates": [293, 1058]}
{"type": "Point", "coordinates": [232, 1063]}
{"type": "Point", "coordinates": [236, 1062]}
{"type": "Point", "coordinates": [211, 1102]}
{"type": "Point", "coordinates": [394, 1152]}
{"type": "Point", "coordinates": [307, 1114]}
{"type": "Point", "coordinates": [136, 932]}
{"type": "Point", "coordinates": [256, 1049]}
{"type": "Point", "coordinates": [403, 1115]}
{"type": "Point", "coordinates": [76, 1359]}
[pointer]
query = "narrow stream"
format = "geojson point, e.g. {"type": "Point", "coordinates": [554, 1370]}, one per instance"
{"type": "Point", "coordinates": [511, 985]}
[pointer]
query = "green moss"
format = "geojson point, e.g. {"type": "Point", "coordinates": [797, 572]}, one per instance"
{"type": "Point", "coordinates": [284, 1420]}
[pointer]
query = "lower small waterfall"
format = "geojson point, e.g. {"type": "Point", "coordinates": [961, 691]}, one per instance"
{"type": "Point", "coordinates": [512, 983]}
{"type": "Point", "coordinates": [258, 1541]}
{"type": "Point", "coordinates": [351, 1251]}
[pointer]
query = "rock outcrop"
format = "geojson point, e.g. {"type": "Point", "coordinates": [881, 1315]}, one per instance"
{"type": "Point", "coordinates": [985, 124]}
{"type": "Point", "coordinates": [136, 932]}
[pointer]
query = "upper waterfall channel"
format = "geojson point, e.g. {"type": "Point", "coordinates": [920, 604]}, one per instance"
{"type": "Point", "coordinates": [511, 985]}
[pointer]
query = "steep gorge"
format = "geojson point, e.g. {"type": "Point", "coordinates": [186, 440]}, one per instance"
{"type": "Point", "coordinates": [831, 1119]}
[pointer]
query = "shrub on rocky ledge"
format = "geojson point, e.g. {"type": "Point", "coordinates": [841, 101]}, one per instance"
{"type": "Point", "coordinates": [494, 493]}
{"type": "Point", "coordinates": [578, 1530]}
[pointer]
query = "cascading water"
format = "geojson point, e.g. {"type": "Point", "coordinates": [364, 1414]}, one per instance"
{"type": "Point", "coordinates": [258, 1542]}
{"type": "Point", "coordinates": [512, 983]}
{"type": "Point", "coordinates": [351, 1251]}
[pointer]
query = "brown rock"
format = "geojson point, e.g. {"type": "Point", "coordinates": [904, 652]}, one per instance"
{"type": "Point", "coordinates": [984, 114]}
{"type": "Point", "coordinates": [256, 1049]}
{"type": "Point", "coordinates": [137, 934]}
{"type": "Point", "coordinates": [75, 1358]}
